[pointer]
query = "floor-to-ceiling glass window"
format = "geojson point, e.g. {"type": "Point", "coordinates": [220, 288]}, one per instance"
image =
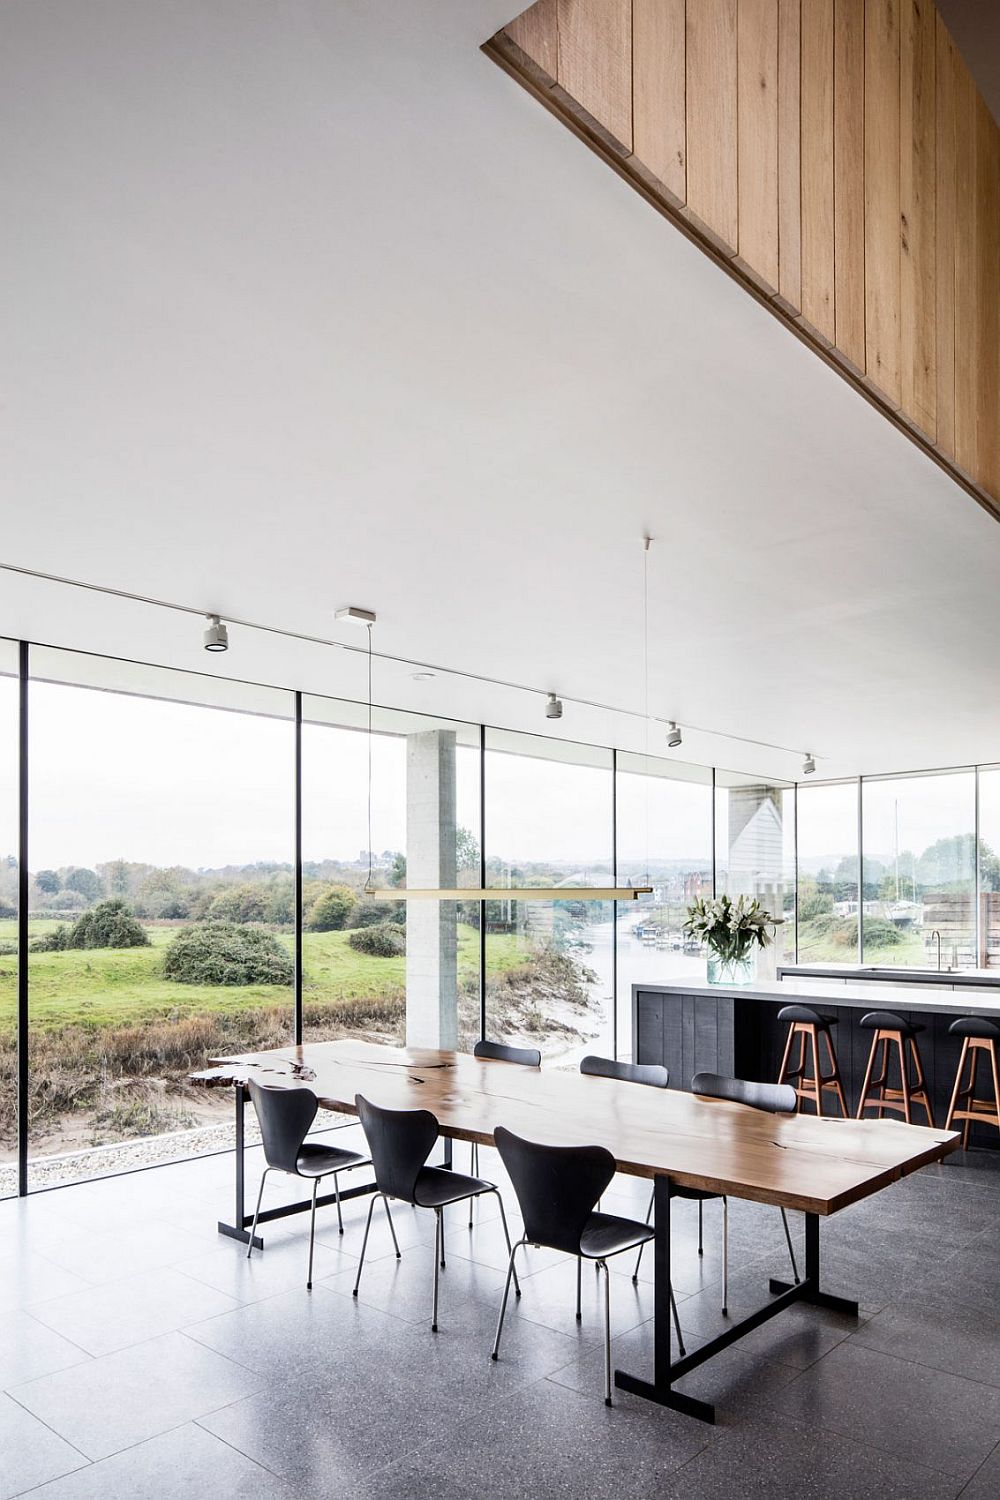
{"type": "Point", "coordinates": [8, 917]}
{"type": "Point", "coordinates": [549, 963]}
{"type": "Point", "coordinates": [755, 853]}
{"type": "Point", "coordinates": [989, 867]}
{"type": "Point", "coordinates": [161, 847]}
{"type": "Point", "coordinates": [398, 808]}
{"type": "Point", "coordinates": [664, 818]}
{"type": "Point", "coordinates": [918, 844]}
{"type": "Point", "coordinates": [828, 872]}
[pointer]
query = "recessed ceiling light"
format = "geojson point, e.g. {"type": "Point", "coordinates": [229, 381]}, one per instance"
{"type": "Point", "coordinates": [423, 676]}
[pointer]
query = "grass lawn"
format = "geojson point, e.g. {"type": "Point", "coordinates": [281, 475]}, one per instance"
{"type": "Point", "coordinates": [115, 987]}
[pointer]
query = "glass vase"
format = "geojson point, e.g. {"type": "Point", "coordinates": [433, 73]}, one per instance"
{"type": "Point", "coordinates": [732, 970]}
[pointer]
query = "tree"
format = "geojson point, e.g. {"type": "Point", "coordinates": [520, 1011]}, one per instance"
{"type": "Point", "coordinates": [466, 850]}
{"type": "Point", "coordinates": [48, 881]}
{"type": "Point", "coordinates": [330, 911]}
{"type": "Point", "coordinates": [239, 903]}
{"type": "Point", "coordinates": [397, 873]}
{"type": "Point", "coordinates": [86, 883]}
{"type": "Point", "coordinates": [108, 925]}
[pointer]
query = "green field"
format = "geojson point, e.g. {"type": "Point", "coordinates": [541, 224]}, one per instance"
{"type": "Point", "coordinates": [115, 987]}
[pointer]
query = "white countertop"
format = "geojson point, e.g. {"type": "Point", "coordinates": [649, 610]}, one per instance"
{"type": "Point", "coordinates": [876, 995]}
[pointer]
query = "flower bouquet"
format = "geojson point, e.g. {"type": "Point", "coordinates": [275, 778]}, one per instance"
{"type": "Point", "coordinates": [732, 931]}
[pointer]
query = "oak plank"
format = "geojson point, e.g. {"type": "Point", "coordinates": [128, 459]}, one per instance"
{"type": "Point", "coordinates": [918, 251]}
{"type": "Point", "coordinates": [965, 269]}
{"type": "Point", "coordinates": [849, 178]}
{"type": "Point", "coordinates": [882, 227]}
{"type": "Point", "coordinates": [595, 61]}
{"type": "Point", "coordinates": [798, 1161]}
{"type": "Point", "coordinates": [757, 139]}
{"type": "Point", "coordinates": [659, 125]}
{"type": "Point", "coordinates": [944, 234]}
{"type": "Point", "coordinates": [536, 32]}
{"type": "Point", "coordinates": [987, 360]}
{"type": "Point", "coordinates": [818, 230]}
{"type": "Point", "coordinates": [711, 109]}
{"type": "Point", "coordinates": [789, 156]}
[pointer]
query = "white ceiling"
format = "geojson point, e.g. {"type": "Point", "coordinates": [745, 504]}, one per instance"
{"type": "Point", "coordinates": [309, 304]}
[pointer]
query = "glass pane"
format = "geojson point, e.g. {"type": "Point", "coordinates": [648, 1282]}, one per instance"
{"type": "Point", "coordinates": [665, 840]}
{"type": "Point", "coordinates": [548, 963]}
{"type": "Point", "coordinates": [989, 867]}
{"type": "Point", "coordinates": [755, 855]}
{"type": "Point", "coordinates": [8, 918]}
{"type": "Point", "coordinates": [919, 871]}
{"type": "Point", "coordinates": [828, 873]}
{"type": "Point", "coordinates": [161, 838]}
{"type": "Point", "coordinates": [389, 971]}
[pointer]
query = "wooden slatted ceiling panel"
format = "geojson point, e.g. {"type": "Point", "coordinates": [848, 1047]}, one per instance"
{"type": "Point", "coordinates": [986, 359]}
{"type": "Point", "coordinates": [882, 228]}
{"type": "Point", "coordinates": [711, 120]}
{"type": "Point", "coordinates": [595, 60]}
{"type": "Point", "coordinates": [944, 236]}
{"type": "Point", "coordinates": [757, 139]}
{"type": "Point", "coordinates": [789, 156]}
{"type": "Point", "coordinates": [918, 250]}
{"type": "Point", "coordinates": [817, 169]}
{"type": "Point", "coordinates": [659, 91]}
{"type": "Point", "coordinates": [849, 179]}
{"type": "Point", "coordinates": [838, 152]}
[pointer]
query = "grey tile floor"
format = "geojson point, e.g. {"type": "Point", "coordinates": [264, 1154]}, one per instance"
{"type": "Point", "coordinates": [141, 1354]}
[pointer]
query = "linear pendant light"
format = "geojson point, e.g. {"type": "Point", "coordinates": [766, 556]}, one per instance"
{"type": "Point", "coordinates": [514, 893]}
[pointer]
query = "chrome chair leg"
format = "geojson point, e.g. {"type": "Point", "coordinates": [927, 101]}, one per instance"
{"type": "Point", "coordinates": [440, 1214]}
{"type": "Point", "coordinates": [506, 1235]}
{"type": "Point", "coordinates": [725, 1256]}
{"type": "Point", "coordinates": [392, 1228]}
{"type": "Point", "coordinates": [336, 1190]}
{"type": "Point", "coordinates": [701, 1218]}
{"type": "Point", "coordinates": [438, 1262]}
{"type": "Point", "coordinates": [791, 1248]}
{"type": "Point", "coordinates": [503, 1305]}
{"type": "Point", "coordinates": [474, 1172]}
{"type": "Point", "coordinates": [256, 1213]}
{"type": "Point", "coordinates": [312, 1233]}
{"type": "Point", "coordinates": [638, 1259]}
{"type": "Point", "coordinates": [364, 1245]}
{"type": "Point", "coordinates": [579, 1279]}
{"type": "Point", "coordinates": [607, 1331]}
{"type": "Point", "coordinates": [677, 1324]}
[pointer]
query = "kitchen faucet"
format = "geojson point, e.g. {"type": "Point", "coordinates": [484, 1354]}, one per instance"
{"type": "Point", "coordinates": [936, 934]}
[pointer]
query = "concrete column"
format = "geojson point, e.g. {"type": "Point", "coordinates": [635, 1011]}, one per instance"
{"type": "Point", "coordinates": [756, 858]}
{"type": "Point", "coordinates": [431, 933]}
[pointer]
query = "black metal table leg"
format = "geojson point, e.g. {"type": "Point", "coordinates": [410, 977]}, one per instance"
{"type": "Point", "coordinates": [667, 1371]}
{"type": "Point", "coordinates": [810, 1288]}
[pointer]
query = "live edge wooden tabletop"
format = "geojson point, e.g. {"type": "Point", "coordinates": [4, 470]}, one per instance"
{"type": "Point", "coordinates": [797, 1161]}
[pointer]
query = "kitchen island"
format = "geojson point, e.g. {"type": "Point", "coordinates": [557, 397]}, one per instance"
{"type": "Point", "coordinates": [689, 1025]}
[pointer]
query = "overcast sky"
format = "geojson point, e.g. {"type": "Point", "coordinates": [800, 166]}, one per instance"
{"type": "Point", "coordinates": [115, 776]}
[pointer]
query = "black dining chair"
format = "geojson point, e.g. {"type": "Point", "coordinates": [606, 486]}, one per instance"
{"type": "Point", "coordinates": [400, 1141]}
{"type": "Point", "coordinates": [524, 1057]}
{"type": "Point", "coordinates": [775, 1099]}
{"type": "Point", "coordinates": [557, 1188]}
{"type": "Point", "coordinates": [285, 1116]}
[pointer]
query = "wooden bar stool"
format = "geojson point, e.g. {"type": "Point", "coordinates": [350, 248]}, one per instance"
{"type": "Point", "coordinates": [808, 1025]}
{"type": "Point", "coordinates": [978, 1036]}
{"type": "Point", "coordinates": [891, 1031]}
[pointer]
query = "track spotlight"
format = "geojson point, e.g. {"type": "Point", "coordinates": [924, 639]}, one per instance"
{"type": "Point", "coordinates": [674, 737]}
{"type": "Point", "coordinates": [216, 636]}
{"type": "Point", "coordinates": [553, 708]}
{"type": "Point", "coordinates": [808, 765]}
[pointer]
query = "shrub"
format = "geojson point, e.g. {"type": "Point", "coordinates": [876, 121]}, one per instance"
{"type": "Point", "coordinates": [239, 903]}
{"type": "Point", "coordinates": [330, 911]}
{"type": "Point", "coordinates": [385, 940]}
{"type": "Point", "coordinates": [50, 942]}
{"type": "Point", "coordinates": [225, 953]}
{"type": "Point", "coordinates": [109, 925]}
{"type": "Point", "coordinates": [368, 913]}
